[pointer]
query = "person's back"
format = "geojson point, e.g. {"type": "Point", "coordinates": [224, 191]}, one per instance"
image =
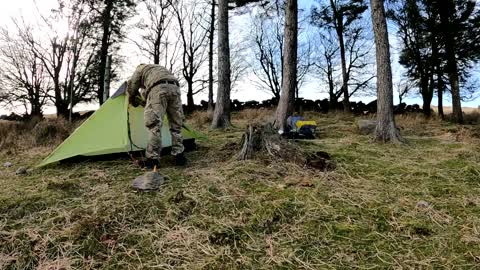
{"type": "Point", "coordinates": [152, 74]}
{"type": "Point", "coordinates": [162, 97]}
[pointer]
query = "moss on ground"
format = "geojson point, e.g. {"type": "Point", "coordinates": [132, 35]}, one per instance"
{"type": "Point", "coordinates": [410, 206]}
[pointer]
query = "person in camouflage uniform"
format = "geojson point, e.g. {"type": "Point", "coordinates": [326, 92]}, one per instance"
{"type": "Point", "coordinates": [162, 94]}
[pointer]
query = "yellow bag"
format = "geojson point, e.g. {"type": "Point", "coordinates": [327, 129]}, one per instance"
{"type": "Point", "coordinates": [311, 124]}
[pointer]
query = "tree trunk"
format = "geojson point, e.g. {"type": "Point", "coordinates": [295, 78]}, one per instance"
{"type": "Point", "coordinates": [436, 71]}
{"type": "Point", "coordinates": [221, 115]}
{"type": "Point", "coordinates": [106, 23]}
{"type": "Point", "coordinates": [346, 99]}
{"type": "Point", "coordinates": [210, 58]}
{"type": "Point", "coordinates": [446, 11]}
{"type": "Point", "coordinates": [427, 101]}
{"type": "Point", "coordinates": [58, 95]}
{"type": "Point", "coordinates": [423, 85]}
{"type": "Point", "coordinates": [156, 46]}
{"type": "Point", "coordinates": [156, 53]}
{"type": "Point", "coordinates": [386, 130]}
{"type": "Point", "coordinates": [190, 102]}
{"type": "Point", "coordinates": [427, 95]}
{"type": "Point", "coordinates": [106, 82]}
{"type": "Point", "coordinates": [440, 86]}
{"type": "Point", "coordinates": [62, 110]}
{"type": "Point", "coordinates": [286, 104]}
{"type": "Point", "coordinates": [331, 89]}
{"type": "Point", "coordinates": [455, 88]}
{"type": "Point", "coordinates": [36, 109]}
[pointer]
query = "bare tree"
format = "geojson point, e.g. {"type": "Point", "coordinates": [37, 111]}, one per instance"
{"type": "Point", "coordinates": [211, 38]}
{"type": "Point", "coordinates": [304, 62]}
{"type": "Point", "coordinates": [326, 63]}
{"type": "Point", "coordinates": [286, 104]}
{"type": "Point", "coordinates": [268, 40]}
{"type": "Point", "coordinates": [404, 86]}
{"type": "Point", "coordinates": [238, 61]}
{"type": "Point", "coordinates": [358, 63]}
{"type": "Point", "coordinates": [386, 130]}
{"type": "Point", "coordinates": [268, 54]}
{"type": "Point", "coordinates": [156, 41]}
{"type": "Point", "coordinates": [193, 38]}
{"type": "Point", "coordinates": [340, 15]}
{"type": "Point", "coordinates": [22, 75]}
{"type": "Point", "coordinates": [67, 57]}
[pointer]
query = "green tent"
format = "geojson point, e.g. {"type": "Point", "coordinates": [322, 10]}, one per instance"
{"type": "Point", "coordinates": [114, 128]}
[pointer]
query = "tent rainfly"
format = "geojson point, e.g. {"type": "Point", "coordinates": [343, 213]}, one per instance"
{"type": "Point", "coordinates": [116, 127]}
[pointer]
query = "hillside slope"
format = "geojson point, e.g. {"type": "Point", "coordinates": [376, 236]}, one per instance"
{"type": "Point", "coordinates": [411, 206]}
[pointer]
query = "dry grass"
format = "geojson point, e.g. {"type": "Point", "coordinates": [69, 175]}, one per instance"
{"type": "Point", "coordinates": [255, 115]}
{"type": "Point", "coordinates": [401, 207]}
{"type": "Point", "coordinates": [200, 118]}
{"type": "Point", "coordinates": [466, 110]}
{"type": "Point", "coordinates": [472, 117]}
{"type": "Point", "coordinates": [19, 136]}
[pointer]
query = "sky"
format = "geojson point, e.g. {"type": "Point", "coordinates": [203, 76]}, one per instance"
{"type": "Point", "coordinates": [245, 90]}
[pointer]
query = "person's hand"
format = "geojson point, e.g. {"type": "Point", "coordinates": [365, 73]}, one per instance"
{"type": "Point", "coordinates": [133, 101]}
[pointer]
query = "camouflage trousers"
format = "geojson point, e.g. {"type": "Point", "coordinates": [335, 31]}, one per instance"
{"type": "Point", "coordinates": [163, 99]}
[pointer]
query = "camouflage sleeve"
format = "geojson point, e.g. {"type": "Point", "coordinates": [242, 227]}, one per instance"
{"type": "Point", "coordinates": [134, 83]}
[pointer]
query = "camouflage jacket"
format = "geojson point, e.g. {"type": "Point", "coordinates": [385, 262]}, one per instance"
{"type": "Point", "coordinates": [145, 76]}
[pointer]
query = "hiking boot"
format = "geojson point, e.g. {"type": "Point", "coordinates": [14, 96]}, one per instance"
{"type": "Point", "coordinates": [151, 163]}
{"type": "Point", "coordinates": [180, 160]}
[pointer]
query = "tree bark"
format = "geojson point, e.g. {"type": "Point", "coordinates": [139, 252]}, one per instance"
{"type": "Point", "coordinates": [333, 97]}
{"type": "Point", "coordinates": [440, 86]}
{"type": "Point", "coordinates": [106, 82]}
{"type": "Point", "coordinates": [386, 130]}
{"type": "Point", "coordinates": [346, 100]}
{"type": "Point", "coordinates": [62, 110]}
{"type": "Point", "coordinates": [427, 102]}
{"type": "Point", "coordinates": [156, 51]}
{"type": "Point", "coordinates": [106, 23]}
{"type": "Point", "coordinates": [36, 110]}
{"type": "Point", "coordinates": [427, 95]}
{"type": "Point", "coordinates": [210, 58]}
{"type": "Point", "coordinates": [221, 115]}
{"type": "Point", "coordinates": [339, 30]}
{"type": "Point", "coordinates": [287, 99]}
{"type": "Point", "coordinates": [190, 102]}
{"type": "Point", "coordinates": [331, 86]}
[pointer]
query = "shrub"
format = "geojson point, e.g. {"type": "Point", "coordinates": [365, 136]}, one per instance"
{"type": "Point", "coordinates": [51, 132]}
{"type": "Point", "coordinates": [200, 118]}
{"type": "Point", "coordinates": [33, 133]}
{"type": "Point", "coordinates": [255, 115]}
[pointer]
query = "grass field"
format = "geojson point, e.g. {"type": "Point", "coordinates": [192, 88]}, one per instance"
{"type": "Point", "coordinates": [415, 206]}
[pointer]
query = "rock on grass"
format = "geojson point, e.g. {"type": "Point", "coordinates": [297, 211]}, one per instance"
{"type": "Point", "coordinates": [21, 171]}
{"type": "Point", "coordinates": [366, 127]}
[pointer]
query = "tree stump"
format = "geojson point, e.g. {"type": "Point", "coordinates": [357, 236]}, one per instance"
{"type": "Point", "coordinates": [264, 141]}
